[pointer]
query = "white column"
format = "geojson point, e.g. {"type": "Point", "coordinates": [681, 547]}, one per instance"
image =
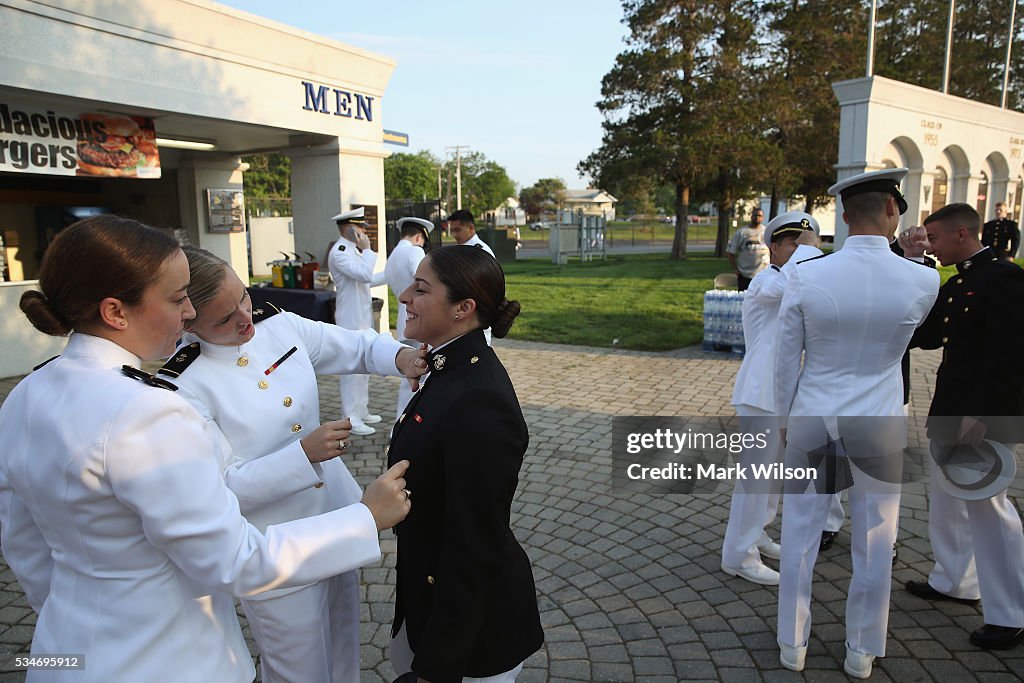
{"type": "Point", "coordinates": [912, 185]}
{"type": "Point", "coordinates": [327, 179]}
{"type": "Point", "coordinates": [196, 174]}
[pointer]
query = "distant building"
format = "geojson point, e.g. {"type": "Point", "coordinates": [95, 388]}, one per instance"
{"type": "Point", "coordinates": [592, 202]}
{"type": "Point", "coordinates": [508, 214]}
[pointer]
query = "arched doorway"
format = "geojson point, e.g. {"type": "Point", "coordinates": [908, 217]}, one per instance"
{"type": "Point", "coordinates": [940, 188]}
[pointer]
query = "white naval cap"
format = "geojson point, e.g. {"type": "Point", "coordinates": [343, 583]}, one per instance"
{"type": "Point", "coordinates": [974, 472]}
{"type": "Point", "coordinates": [790, 222]}
{"type": "Point", "coordinates": [885, 180]}
{"type": "Point", "coordinates": [350, 216]}
{"type": "Point", "coordinates": [425, 225]}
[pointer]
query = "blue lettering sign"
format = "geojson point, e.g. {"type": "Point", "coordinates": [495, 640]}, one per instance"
{"type": "Point", "coordinates": [318, 100]}
{"type": "Point", "coordinates": [364, 105]}
{"type": "Point", "coordinates": [343, 103]}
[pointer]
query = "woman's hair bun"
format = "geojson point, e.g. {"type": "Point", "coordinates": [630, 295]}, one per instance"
{"type": "Point", "coordinates": [42, 316]}
{"type": "Point", "coordinates": [504, 317]}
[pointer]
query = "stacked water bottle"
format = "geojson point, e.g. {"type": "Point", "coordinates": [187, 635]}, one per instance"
{"type": "Point", "coordinates": [723, 321]}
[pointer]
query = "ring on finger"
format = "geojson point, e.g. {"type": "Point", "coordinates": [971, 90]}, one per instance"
{"type": "Point", "coordinates": [342, 444]}
{"type": "Point", "coordinates": [408, 493]}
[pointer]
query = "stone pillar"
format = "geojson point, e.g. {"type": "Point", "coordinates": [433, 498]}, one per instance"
{"type": "Point", "coordinates": [196, 174]}
{"type": "Point", "coordinates": [326, 180]}
{"type": "Point", "coordinates": [912, 184]}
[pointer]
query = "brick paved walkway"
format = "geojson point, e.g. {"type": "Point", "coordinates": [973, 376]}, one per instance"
{"type": "Point", "coordinates": [629, 586]}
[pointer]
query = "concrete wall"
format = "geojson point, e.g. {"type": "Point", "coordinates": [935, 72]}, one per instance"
{"type": "Point", "coordinates": [24, 346]}
{"type": "Point", "coordinates": [268, 237]}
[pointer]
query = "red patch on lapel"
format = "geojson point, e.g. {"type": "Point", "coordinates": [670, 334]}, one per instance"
{"type": "Point", "coordinates": [417, 417]}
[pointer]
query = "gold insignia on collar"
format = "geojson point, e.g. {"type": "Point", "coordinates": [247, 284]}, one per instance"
{"type": "Point", "coordinates": [258, 311]}
{"type": "Point", "coordinates": [439, 362]}
{"type": "Point", "coordinates": [474, 359]}
{"type": "Point", "coordinates": [968, 264]}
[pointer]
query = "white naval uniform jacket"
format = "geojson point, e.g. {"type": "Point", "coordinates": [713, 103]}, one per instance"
{"type": "Point", "coordinates": [121, 483]}
{"type": "Point", "coordinates": [851, 314]}
{"type": "Point", "coordinates": [399, 273]}
{"type": "Point", "coordinates": [352, 273]}
{"type": "Point", "coordinates": [475, 241]}
{"type": "Point", "coordinates": [755, 381]}
{"type": "Point", "coordinates": [268, 470]}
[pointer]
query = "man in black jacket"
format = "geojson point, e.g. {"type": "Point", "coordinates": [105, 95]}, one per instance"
{"type": "Point", "coordinates": [978, 396]}
{"type": "Point", "coordinates": [1001, 234]}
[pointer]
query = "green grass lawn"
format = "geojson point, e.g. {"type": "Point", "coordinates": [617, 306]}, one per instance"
{"type": "Point", "coordinates": [645, 302]}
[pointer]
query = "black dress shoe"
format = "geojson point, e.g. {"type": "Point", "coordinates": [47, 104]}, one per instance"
{"type": "Point", "coordinates": [827, 538]}
{"type": "Point", "coordinates": [997, 637]}
{"type": "Point", "coordinates": [923, 589]}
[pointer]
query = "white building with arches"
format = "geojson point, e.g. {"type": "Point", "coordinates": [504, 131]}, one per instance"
{"type": "Point", "coordinates": [957, 150]}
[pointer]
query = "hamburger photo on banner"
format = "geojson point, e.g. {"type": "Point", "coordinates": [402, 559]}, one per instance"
{"type": "Point", "coordinates": [117, 146]}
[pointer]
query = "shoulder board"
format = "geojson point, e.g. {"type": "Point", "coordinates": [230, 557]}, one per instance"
{"type": "Point", "coordinates": [146, 378]}
{"type": "Point", "coordinates": [45, 362]}
{"type": "Point", "coordinates": [341, 247]}
{"type": "Point", "coordinates": [264, 311]}
{"type": "Point", "coordinates": [180, 360]}
{"type": "Point", "coordinates": [815, 258]}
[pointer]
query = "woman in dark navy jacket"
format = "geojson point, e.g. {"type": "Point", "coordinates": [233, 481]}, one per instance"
{"type": "Point", "coordinates": [466, 604]}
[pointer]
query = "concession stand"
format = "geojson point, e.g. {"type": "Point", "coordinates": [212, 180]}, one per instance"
{"type": "Point", "coordinates": [144, 107]}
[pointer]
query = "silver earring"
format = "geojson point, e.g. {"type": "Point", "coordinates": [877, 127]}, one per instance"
{"type": "Point", "coordinates": [456, 317]}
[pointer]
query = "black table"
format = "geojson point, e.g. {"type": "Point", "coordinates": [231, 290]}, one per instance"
{"type": "Point", "coordinates": [309, 303]}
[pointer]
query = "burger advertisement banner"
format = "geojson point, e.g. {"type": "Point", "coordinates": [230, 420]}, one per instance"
{"type": "Point", "coordinates": [88, 144]}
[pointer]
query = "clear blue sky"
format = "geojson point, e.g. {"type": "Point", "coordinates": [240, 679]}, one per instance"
{"type": "Point", "coordinates": [514, 80]}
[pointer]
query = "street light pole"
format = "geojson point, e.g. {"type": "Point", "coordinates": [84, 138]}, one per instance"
{"type": "Point", "coordinates": [949, 45]}
{"type": "Point", "coordinates": [457, 150]}
{"type": "Point", "coordinates": [1009, 44]}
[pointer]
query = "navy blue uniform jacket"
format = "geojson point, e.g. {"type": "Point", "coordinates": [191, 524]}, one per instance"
{"type": "Point", "coordinates": [465, 587]}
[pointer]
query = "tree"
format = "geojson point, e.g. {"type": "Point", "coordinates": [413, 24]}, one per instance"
{"type": "Point", "coordinates": [546, 193]}
{"type": "Point", "coordinates": [411, 176]}
{"type": "Point", "coordinates": [485, 184]}
{"type": "Point", "coordinates": [267, 183]}
{"type": "Point", "coordinates": [681, 106]}
{"type": "Point", "coordinates": [811, 46]}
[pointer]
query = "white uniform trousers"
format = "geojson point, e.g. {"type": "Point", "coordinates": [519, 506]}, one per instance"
{"type": "Point", "coordinates": [355, 395]}
{"type": "Point", "coordinates": [755, 503]}
{"type": "Point", "coordinates": [836, 514]}
{"type": "Point", "coordinates": [874, 521]}
{"type": "Point", "coordinates": [979, 552]}
{"type": "Point", "coordinates": [401, 661]}
{"type": "Point", "coordinates": [310, 635]}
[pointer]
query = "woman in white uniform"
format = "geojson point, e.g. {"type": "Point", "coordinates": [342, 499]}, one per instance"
{"type": "Point", "coordinates": [253, 373]}
{"type": "Point", "coordinates": [114, 513]}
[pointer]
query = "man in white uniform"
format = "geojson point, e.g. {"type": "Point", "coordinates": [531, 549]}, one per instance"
{"type": "Point", "coordinates": [463, 229]}
{"type": "Point", "coordinates": [399, 273]}
{"type": "Point", "coordinates": [851, 314]}
{"type": "Point", "coordinates": [791, 237]}
{"type": "Point", "coordinates": [351, 263]}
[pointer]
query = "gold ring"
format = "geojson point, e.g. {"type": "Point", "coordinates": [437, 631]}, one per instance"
{"type": "Point", "coordinates": [342, 444]}
{"type": "Point", "coordinates": [408, 493]}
